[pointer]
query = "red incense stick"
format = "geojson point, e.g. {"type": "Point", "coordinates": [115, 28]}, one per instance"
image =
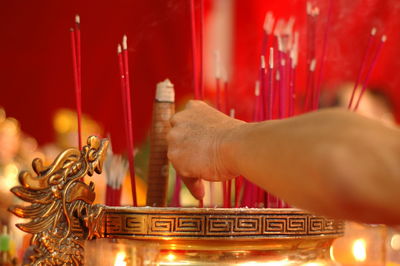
{"type": "Point", "coordinates": [129, 116]}
{"type": "Point", "coordinates": [371, 68]}
{"type": "Point", "coordinates": [226, 93]}
{"type": "Point", "coordinates": [268, 29]}
{"type": "Point", "coordinates": [270, 84]}
{"type": "Point", "coordinates": [218, 81]}
{"type": "Point", "coordinates": [292, 73]}
{"type": "Point", "coordinates": [324, 49]}
{"type": "Point", "coordinates": [363, 65]}
{"type": "Point", "coordinates": [292, 82]}
{"type": "Point", "coordinates": [78, 94]}
{"type": "Point", "coordinates": [78, 48]}
{"type": "Point", "coordinates": [238, 190]}
{"type": "Point", "coordinates": [201, 44]}
{"type": "Point", "coordinates": [310, 86]}
{"type": "Point", "coordinates": [194, 52]}
{"type": "Point", "coordinates": [282, 76]}
{"type": "Point", "coordinates": [263, 90]}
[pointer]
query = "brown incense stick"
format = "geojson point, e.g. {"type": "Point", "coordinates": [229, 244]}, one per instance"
{"type": "Point", "coordinates": [158, 175]}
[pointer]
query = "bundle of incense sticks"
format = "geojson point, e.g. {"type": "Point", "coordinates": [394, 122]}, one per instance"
{"type": "Point", "coordinates": [123, 63]}
{"type": "Point", "coordinates": [75, 33]}
{"type": "Point", "coordinates": [115, 168]}
{"type": "Point", "coordinates": [158, 174]}
{"type": "Point", "coordinates": [373, 57]}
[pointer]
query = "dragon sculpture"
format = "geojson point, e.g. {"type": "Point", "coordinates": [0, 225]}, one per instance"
{"type": "Point", "coordinates": [61, 211]}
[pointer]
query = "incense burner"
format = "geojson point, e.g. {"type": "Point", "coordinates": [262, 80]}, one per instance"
{"type": "Point", "coordinates": [64, 223]}
{"type": "Point", "coordinates": [199, 236]}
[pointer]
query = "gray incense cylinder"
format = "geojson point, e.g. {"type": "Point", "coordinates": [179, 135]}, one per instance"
{"type": "Point", "coordinates": [158, 174]}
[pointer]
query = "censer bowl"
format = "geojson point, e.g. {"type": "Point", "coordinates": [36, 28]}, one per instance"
{"type": "Point", "coordinates": [213, 236]}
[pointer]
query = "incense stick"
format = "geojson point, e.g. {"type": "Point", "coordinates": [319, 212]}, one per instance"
{"type": "Point", "coordinates": [201, 44]}
{"type": "Point", "coordinates": [323, 56]}
{"type": "Point", "coordinates": [270, 84]}
{"type": "Point", "coordinates": [293, 57]}
{"type": "Point", "coordinates": [310, 85]}
{"type": "Point", "coordinates": [78, 64]}
{"type": "Point", "coordinates": [78, 48]}
{"type": "Point", "coordinates": [226, 93]}
{"type": "Point", "coordinates": [194, 52]}
{"type": "Point", "coordinates": [217, 80]}
{"type": "Point", "coordinates": [123, 90]}
{"type": "Point", "coordinates": [263, 90]}
{"type": "Point", "coordinates": [176, 198]}
{"type": "Point", "coordinates": [267, 31]}
{"type": "Point", "coordinates": [371, 68]}
{"type": "Point", "coordinates": [78, 93]}
{"type": "Point", "coordinates": [363, 65]}
{"type": "Point", "coordinates": [129, 116]}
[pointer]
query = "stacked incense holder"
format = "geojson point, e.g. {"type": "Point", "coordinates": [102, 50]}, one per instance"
{"type": "Point", "coordinates": [62, 218]}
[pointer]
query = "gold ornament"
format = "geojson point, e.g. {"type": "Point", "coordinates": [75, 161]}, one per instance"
{"type": "Point", "coordinates": [61, 211]}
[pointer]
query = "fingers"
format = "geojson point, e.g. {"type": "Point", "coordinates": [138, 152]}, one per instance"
{"type": "Point", "coordinates": [195, 186]}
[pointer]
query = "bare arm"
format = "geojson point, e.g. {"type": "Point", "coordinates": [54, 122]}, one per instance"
{"type": "Point", "coordinates": [331, 162]}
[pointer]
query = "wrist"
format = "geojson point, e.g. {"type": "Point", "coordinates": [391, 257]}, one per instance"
{"type": "Point", "coordinates": [228, 149]}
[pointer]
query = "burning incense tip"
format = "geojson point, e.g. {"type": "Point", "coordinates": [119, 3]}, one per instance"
{"type": "Point", "coordinates": [309, 8]}
{"type": "Point", "coordinates": [313, 64]}
{"type": "Point", "coordinates": [315, 12]}
{"type": "Point", "coordinates": [119, 49]}
{"type": "Point", "coordinates": [271, 57]}
{"type": "Point", "coordinates": [280, 25]}
{"type": "Point", "coordinates": [125, 42]}
{"type": "Point", "coordinates": [269, 23]}
{"type": "Point", "coordinates": [280, 43]}
{"type": "Point", "coordinates": [257, 89]}
{"type": "Point", "coordinates": [263, 64]}
{"type": "Point", "coordinates": [384, 38]}
{"type": "Point", "coordinates": [232, 113]}
{"type": "Point", "coordinates": [373, 31]}
{"type": "Point", "coordinates": [289, 26]}
{"type": "Point", "coordinates": [165, 91]}
{"type": "Point", "coordinates": [77, 19]}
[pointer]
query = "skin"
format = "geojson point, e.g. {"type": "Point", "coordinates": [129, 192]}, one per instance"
{"type": "Point", "coordinates": [332, 162]}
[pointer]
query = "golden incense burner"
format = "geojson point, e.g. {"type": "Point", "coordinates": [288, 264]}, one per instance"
{"type": "Point", "coordinates": [62, 218]}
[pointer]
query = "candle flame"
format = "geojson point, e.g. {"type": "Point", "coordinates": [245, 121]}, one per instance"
{"type": "Point", "coordinates": [171, 257]}
{"type": "Point", "coordinates": [359, 250]}
{"type": "Point", "coordinates": [120, 259]}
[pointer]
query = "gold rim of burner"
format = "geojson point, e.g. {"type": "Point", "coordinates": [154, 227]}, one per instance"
{"type": "Point", "coordinates": [244, 245]}
{"type": "Point", "coordinates": [239, 224]}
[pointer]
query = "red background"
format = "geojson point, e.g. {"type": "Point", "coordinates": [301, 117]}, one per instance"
{"type": "Point", "coordinates": [36, 66]}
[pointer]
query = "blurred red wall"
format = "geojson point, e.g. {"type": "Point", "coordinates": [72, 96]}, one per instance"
{"type": "Point", "coordinates": [36, 66]}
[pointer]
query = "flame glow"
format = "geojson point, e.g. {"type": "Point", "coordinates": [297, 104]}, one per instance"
{"type": "Point", "coordinates": [395, 242]}
{"type": "Point", "coordinates": [120, 259]}
{"type": "Point", "coordinates": [171, 257]}
{"type": "Point", "coordinates": [359, 250]}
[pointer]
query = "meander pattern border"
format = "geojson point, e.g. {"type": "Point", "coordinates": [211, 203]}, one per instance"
{"type": "Point", "coordinates": [217, 223]}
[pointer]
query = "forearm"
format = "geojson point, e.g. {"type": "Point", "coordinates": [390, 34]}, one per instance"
{"type": "Point", "coordinates": [330, 162]}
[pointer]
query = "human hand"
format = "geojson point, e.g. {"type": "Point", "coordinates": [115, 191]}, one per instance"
{"type": "Point", "coordinates": [194, 145]}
